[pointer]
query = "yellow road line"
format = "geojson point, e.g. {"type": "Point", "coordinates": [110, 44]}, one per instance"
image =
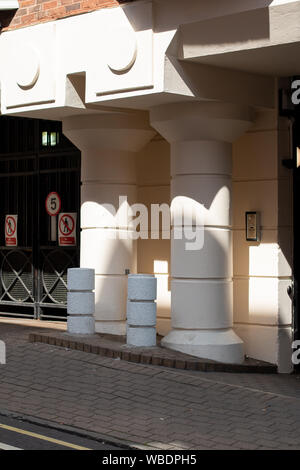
{"type": "Point", "coordinates": [43, 438]}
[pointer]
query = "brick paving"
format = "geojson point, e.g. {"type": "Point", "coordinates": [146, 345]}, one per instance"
{"type": "Point", "coordinates": [116, 347]}
{"type": "Point", "coordinates": [144, 404]}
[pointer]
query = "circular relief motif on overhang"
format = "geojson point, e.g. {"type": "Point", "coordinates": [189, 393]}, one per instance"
{"type": "Point", "coordinates": [27, 67]}
{"type": "Point", "coordinates": [121, 50]}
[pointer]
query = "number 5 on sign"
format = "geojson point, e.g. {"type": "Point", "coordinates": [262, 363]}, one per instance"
{"type": "Point", "coordinates": [53, 205]}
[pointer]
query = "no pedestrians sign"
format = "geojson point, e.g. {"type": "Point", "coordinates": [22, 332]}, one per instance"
{"type": "Point", "coordinates": [11, 225]}
{"type": "Point", "coordinates": [67, 229]}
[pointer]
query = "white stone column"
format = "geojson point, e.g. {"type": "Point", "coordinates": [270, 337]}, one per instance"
{"type": "Point", "coordinates": [108, 143]}
{"type": "Point", "coordinates": [201, 291]}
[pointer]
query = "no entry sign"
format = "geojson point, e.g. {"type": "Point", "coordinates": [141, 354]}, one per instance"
{"type": "Point", "coordinates": [11, 225]}
{"type": "Point", "coordinates": [53, 203]}
{"type": "Point", "coordinates": [67, 229]}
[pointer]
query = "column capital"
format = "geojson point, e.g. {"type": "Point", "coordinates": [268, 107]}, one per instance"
{"type": "Point", "coordinates": [201, 120]}
{"type": "Point", "coordinates": [115, 131]}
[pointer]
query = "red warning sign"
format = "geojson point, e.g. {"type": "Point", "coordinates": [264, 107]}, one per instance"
{"type": "Point", "coordinates": [53, 203]}
{"type": "Point", "coordinates": [11, 225]}
{"type": "Point", "coordinates": [67, 229]}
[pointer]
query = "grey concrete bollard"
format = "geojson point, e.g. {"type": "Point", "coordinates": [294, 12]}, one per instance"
{"type": "Point", "coordinates": [81, 301]}
{"type": "Point", "coordinates": [141, 310]}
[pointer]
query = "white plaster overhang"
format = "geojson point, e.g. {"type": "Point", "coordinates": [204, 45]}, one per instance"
{"type": "Point", "coordinates": [112, 59]}
{"type": "Point", "coordinates": [9, 4]}
{"type": "Point", "coordinates": [62, 67]}
{"type": "Point", "coordinates": [261, 41]}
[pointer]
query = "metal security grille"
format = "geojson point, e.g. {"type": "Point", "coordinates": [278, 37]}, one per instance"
{"type": "Point", "coordinates": [35, 159]}
{"type": "Point", "coordinates": [16, 276]}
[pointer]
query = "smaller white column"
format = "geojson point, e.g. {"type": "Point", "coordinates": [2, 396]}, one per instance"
{"type": "Point", "coordinates": [81, 301]}
{"type": "Point", "coordinates": [141, 310]}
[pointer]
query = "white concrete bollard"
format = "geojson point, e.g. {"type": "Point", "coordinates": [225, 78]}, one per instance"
{"type": "Point", "coordinates": [141, 310]}
{"type": "Point", "coordinates": [81, 301]}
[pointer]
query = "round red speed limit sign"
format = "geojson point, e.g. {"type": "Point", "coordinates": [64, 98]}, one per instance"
{"type": "Point", "coordinates": [53, 203]}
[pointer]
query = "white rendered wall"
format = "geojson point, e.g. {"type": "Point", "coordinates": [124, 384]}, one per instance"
{"type": "Point", "coordinates": [262, 271]}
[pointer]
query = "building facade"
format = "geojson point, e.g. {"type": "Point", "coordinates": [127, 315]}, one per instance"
{"type": "Point", "coordinates": [186, 105]}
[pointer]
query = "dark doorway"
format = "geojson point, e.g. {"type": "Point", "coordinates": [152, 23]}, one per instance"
{"type": "Point", "coordinates": [296, 221]}
{"type": "Point", "coordinates": [35, 160]}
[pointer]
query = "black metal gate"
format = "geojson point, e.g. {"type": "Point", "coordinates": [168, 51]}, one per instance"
{"type": "Point", "coordinates": [36, 159]}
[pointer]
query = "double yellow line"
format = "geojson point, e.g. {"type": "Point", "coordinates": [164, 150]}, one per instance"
{"type": "Point", "coordinates": [42, 437]}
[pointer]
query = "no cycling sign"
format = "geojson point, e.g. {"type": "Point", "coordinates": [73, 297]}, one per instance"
{"type": "Point", "coordinates": [67, 229]}
{"type": "Point", "coordinates": [11, 224]}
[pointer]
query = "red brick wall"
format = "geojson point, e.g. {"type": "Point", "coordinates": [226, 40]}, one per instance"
{"type": "Point", "coordinates": [38, 11]}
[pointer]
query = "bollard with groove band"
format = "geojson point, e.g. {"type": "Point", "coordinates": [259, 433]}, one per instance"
{"type": "Point", "coordinates": [81, 301]}
{"type": "Point", "coordinates": [141, 310]}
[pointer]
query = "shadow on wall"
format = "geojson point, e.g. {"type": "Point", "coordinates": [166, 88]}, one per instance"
{"type": "Point", "coordinates": [257, 290]}
{"type": "Point", "coordinates": [285, 242]}
{"type": "Point", "coordinates": [114, 256]}
{"type": "Point", "coordinates": [262, 271]}
{"type": "Point", "coordinates": [262, 306]}
{"type": "Point", "coordinates": [248, 26]}
{"type": "Point", "coordinates": [111, 256]}
{"type": "Point", "coordinates": [169, 13]}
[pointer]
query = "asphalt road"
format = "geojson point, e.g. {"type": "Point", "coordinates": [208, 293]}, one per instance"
{"type": "Point", "coordinates": [18, 435]}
